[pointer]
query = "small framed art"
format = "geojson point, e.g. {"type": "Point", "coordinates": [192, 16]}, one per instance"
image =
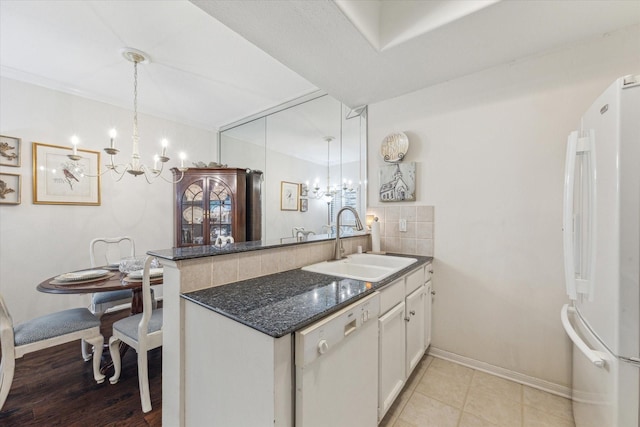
{"type": "Point", "coordinates": [10, 188]}
{"type": "Point", "coordinates": [304, 205]}
{"type": "Point", "coordinates": [304, 190]}
{"type": "Point", "coordinates": [10, 150]}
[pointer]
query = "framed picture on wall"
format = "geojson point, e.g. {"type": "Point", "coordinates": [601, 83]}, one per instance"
{"type": "Point", "coordinates": [304, 190]}
{"type": "Point", "coordinates": [10, 188]}
{"type": "Point", "coordinates": [304, 205]}
{"type": "Point", "coordinates": [398, 182]}
{"type": "Point", "coordinates": [10, 151]}
{"type": "Point", "coordinates": [58, 180]}
{"type": "Point", "coordinates": [288, 196]}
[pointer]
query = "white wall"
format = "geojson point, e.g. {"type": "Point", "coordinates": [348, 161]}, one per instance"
{"type": "Point", "coordinates": [40, 241]}
{"type": "Point", "coordinates": [490, 149]}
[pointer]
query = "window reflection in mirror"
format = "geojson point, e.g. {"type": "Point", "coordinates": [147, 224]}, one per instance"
{"type": "Point", "coordinates": [314, 145]}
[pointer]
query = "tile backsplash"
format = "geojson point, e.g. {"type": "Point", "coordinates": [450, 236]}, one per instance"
{"type": "Point", "coordinates": [418, 237]}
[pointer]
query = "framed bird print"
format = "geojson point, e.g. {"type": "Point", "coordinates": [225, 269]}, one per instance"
{"type": "Point", "coordinates": [59, 180]}
{"type": "Point", "coordinates": [288, 196]}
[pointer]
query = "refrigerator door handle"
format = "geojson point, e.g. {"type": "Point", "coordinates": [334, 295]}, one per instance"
{"type": "Point", "coordinates": [579, 274]}
{"type": "Point", "coordinates": [567, 215]}
{"type": "Point", "coordinates": [592, 355]}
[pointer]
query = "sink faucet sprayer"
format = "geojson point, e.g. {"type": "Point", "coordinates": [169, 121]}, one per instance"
{"type": "Point", "coordinates": [338, 249]}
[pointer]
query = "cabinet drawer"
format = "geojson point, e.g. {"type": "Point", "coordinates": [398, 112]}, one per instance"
{"type": "Point", "coordinates": [391, 295]}
{"type": "Point", "coordinates": [415, 280]}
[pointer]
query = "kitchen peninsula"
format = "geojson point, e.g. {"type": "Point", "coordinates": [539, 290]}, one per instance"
{"type": "Point", "coordinates": [266, 298]}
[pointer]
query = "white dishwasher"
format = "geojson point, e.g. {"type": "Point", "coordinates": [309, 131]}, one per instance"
{"type": "Point", "coordinates": [337, 368]}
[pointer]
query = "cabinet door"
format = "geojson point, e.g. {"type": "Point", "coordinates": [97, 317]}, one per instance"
{"type": "Point", "coordinates": [428, 300]}
{"type": "Point", "coordinates": [192, 215]}
{"type": "Point", "coordinates": [414, 318]}
{"type": "Point", "coordinates": [221, 210]}
{"type": "Point", "coordinates": [391, 351]}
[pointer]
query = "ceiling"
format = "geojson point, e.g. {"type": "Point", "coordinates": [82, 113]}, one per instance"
{"type": "Point", "coordinates": [200, 73]}
{"type": "Point", "coordinates": [214, 62]}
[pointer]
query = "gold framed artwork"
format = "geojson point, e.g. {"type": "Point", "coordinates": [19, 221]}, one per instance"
{"type": "Point", "coordinates": [10, 150]}
{"type": "Point", "coordinates": [10, 188]}
{"type": "Point", "coordinates": [288, 196]}
{"type": "Point", "coordinates": [58, 180]}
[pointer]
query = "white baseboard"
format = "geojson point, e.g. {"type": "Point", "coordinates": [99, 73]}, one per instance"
{"type": "Point", "coordinates": [502, 372]}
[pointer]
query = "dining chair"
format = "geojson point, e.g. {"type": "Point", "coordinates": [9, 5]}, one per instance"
{"type": "Point", "coordinates": [109, 251]}
{"type": "Point", "coordinates": [142, 332]}
{"type": "Point", "coordinates": [105, 251]}
{"type": "Point", "coordinates": [44, 332]}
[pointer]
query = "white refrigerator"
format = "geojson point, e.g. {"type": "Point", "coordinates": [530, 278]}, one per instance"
{"type": "Point", "coordinates": [601, 237]}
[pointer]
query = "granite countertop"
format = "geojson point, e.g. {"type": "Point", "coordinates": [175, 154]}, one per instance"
{"type": "Point", "coordinates": [281, 303]}
{"type": "Point", "coordinates": [200, 251]}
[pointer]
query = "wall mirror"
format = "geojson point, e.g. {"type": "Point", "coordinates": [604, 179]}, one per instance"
{"type": "Point", "coordinates": [313, 155]}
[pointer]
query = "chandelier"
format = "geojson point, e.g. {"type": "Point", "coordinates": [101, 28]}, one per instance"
{"type": "Point", "coordinates": [134, 167]}
{"type": "Point", "coordinates": [330, 192]}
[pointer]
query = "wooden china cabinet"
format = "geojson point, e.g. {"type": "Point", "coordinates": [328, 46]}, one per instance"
{"type": "Point", "coordinates": [216, 202]}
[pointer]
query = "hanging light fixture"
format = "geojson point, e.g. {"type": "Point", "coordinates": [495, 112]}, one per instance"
{"type": "Point", "coordinates": [330, 192]}
{"type": "Point", "coordinates": [134, 167]}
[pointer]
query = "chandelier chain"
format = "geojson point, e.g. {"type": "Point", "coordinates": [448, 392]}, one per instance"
{"type": "Point", "coordinates": [135, 99]}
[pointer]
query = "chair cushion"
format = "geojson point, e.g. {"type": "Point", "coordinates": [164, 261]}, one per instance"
{"type": "Point", "coordinates": [129, 325]}
{"type": "Point", "coordinates": [54, 325]}
{"type": "Point", "coordinates": [103, 297]}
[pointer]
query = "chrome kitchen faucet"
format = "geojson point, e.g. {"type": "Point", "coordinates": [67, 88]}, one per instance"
{"type": "Point", "coordinates": [337, 254]}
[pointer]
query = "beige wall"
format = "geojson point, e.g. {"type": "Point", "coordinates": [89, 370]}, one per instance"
{"type": "Point", "coordinates": [489, 149]}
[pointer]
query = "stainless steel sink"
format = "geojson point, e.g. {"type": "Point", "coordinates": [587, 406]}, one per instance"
{"type": "Point", "coordinates": [365, 267]}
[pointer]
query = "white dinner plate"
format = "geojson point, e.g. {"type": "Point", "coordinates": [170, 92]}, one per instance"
{"type": "Point", "coordinates": [81, 275]}
{"type": "Point", "coordinates": [153, 272]}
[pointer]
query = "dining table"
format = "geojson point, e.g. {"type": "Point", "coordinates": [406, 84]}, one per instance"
{"type": "Point", "coordinates": [112, 280]}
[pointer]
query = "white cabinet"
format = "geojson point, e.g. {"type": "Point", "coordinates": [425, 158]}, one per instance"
{"type": "Point", "coordinates": [404, 328]}
{"type": "Point", "coordinates": [428, 301]}
{"type": "Point", "coordinates": [414, 316]}
{"type": "Point", "coordinates": [391, 330]}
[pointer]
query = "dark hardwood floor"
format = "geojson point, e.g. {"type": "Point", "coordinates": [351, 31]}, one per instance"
{"type": "Point", "coordinates": [55, 387]}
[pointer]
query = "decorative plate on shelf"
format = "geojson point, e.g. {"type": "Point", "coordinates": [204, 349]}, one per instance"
{"type": "Point", "coordinates": [193, 214]}
{"type": "Point", "coordinates": [394, 147]}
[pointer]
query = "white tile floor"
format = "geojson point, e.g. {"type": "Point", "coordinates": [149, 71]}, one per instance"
{"type": "Point", "coordinates": [445, 394]}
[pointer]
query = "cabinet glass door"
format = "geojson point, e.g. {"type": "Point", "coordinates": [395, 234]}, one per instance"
{"type": "Point", "coordinates": [193, 215]}
{"type": "Point", "coordinates": [220, 210]}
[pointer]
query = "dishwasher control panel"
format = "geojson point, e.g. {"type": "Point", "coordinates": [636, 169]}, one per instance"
{"type": "Point", "coordinates": [326, 334]}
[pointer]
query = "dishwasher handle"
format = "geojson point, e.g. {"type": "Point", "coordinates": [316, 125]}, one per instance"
{"type": "Point", "coordinates": [592, 355]}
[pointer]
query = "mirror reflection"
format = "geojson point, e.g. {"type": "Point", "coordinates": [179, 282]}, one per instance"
{"type": "Point", "coordinates": [313, 158]}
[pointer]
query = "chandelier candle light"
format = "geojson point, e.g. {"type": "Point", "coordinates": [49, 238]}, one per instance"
{"type": "Point", "coordinates": [134, 167]}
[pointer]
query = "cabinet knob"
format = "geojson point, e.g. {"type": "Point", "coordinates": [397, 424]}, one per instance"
{"type": "Point", "coordinates": [407, 319]}
{"type": "Point", "coordinates": [412, 312]}
{"type": "Point", "coordinates": [323, 346]}
{"type": "Point", "coordinates": [433, 292]}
